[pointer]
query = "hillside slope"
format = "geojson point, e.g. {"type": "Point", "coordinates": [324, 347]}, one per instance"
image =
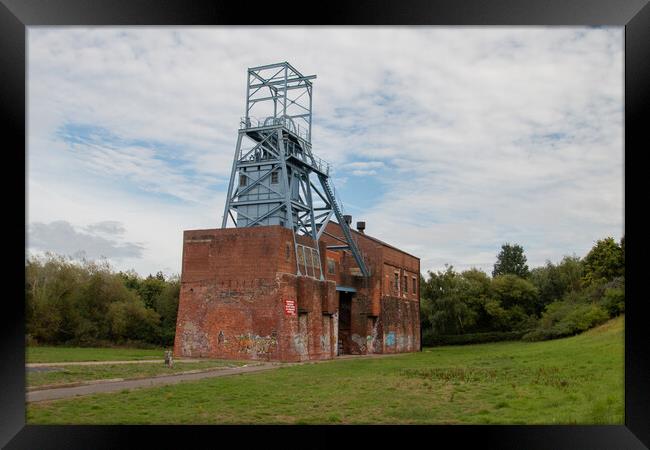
{"type": "Point", "coordinates": [576, 380]}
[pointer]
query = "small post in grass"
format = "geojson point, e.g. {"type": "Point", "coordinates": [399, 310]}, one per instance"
{"type": "Point", "coordinates": [169, 359]}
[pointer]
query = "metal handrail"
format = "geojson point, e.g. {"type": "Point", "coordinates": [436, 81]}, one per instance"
{"type": "Point", "coordinates": [320, 164]}
{"type": "Point", "coordinates": [258, 122]}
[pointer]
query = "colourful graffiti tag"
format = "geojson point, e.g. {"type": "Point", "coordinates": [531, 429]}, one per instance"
{"type": "Point", "coordinates": [390, 338]}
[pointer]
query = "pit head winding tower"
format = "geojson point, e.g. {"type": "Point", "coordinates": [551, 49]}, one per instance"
{"type": "Point", "coordinates": [281, 280]}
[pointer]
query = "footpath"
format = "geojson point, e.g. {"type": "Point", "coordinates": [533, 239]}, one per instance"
{"type": "Point", "coordinates": [101, 386]}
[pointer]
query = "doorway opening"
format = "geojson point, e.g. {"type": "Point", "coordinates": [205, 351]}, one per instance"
{"type": "Point", "coordinates": [345, 322]}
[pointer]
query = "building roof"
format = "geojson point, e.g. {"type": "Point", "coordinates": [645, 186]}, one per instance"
{"type": "Point", "coordinates": [376, 240]}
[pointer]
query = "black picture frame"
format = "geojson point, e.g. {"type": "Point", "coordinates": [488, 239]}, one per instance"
{"type": "Point", "coordinates": [634, 15]}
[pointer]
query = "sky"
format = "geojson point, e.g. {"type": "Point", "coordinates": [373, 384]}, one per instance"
{"type": "Point", "coordinates": [447, 141]}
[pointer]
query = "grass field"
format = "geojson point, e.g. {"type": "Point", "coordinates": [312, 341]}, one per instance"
{"type": "Point", "coordinates": [73, 374]}
{"type": "Point", "coordinates": [74, 354]}
{"type": "Point", "coordinates": [578, 380]}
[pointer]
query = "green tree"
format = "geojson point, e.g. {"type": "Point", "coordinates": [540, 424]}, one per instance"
{"type": "Point", "coordinates": [513, 291]}
{"type": "Point", "coordinates": [554, 281]}
{"type": "Point", "coordinates": [150, 288]}
{"type": "Point", "coordinates": [166, 305]}
{"type": "Point", "coordinates": [604, 262]}
{"type": "Point", "coordinates": [511, 260]}
{"type": "Point", "coordinates": [447, 304]}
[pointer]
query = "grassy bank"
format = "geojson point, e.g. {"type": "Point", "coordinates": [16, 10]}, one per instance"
{"type": "Point", "coordinates": [74, 374]}
{"type": "Point", "coordinates": [577, 380]}
{"type": "Point", "coordinates": [74, 354]}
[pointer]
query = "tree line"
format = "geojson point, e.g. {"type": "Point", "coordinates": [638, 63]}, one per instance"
{"type": "Point", "coordinates": [88, 304]}
{"type": "Point", "coordinates": [547, 302]}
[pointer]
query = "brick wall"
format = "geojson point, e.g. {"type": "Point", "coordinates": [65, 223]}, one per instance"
{"type": "Point", "coordinates": [234, 285]}
{"type": "Point", "coordinates": [241, 298]}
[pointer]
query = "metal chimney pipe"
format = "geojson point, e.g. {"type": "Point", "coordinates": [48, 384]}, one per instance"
{"type": "Point", "coordinates": [361, 226]}
{"type": "Point", "coordinates": [348, 219]}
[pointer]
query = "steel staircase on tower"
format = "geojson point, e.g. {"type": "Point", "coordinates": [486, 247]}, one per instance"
{"type": "Point", "coordinates": [344, 225]}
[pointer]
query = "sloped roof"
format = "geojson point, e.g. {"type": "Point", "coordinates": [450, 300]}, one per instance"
{"type": "Point", "coordinates": [375, 240]}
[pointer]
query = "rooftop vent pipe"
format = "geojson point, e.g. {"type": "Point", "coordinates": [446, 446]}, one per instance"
{"type": "Point", "coordinates": [361, 226]}
{"type": "Point", "coordinates": [348, 219]}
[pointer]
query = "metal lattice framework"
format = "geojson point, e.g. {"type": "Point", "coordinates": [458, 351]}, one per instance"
{"type": "Point", "coordinates": [275, 163]}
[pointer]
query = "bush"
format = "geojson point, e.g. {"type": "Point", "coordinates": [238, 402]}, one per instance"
{"type": "Point", "coordinates": [567, 318]}
{"type": "Point", "coordinates": [429, 339]}
{"type": "Point", "coordinates": [613, 301]}
{"type": "Point", "coordinates": [132, 320]}
{"type": "Point", "coordinates": [86, 303]}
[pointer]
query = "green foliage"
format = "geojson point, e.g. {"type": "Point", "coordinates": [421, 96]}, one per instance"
{"type": "Point", "coordinates": [448, 310]}
{"type": "Point", "coordinates": [131, 320]}
{"type": "Point", "coordinates": [553, 281]}
{"type": "Point", "coordinates": [86, 303]}
{"type": "Point", "coordinates": [605, 261]}
{"type": "Point", "coordinates": [511, 260]}
{"type": "Point", "coordinates": [578, 380]}
{"type": "Point", "coordinates": [512, 291]}
{"type": "Point", "coordinates": [546, 302]}
{"type": "Point", "coordinates": [567, 318]}
{"type": "Point", "coordinates": [166, 305]}
{"type": "Point", "coordinates": [431, 339]}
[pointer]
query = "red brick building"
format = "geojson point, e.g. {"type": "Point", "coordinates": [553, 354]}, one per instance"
{"type": "Point", "coordinates": [242, 299]}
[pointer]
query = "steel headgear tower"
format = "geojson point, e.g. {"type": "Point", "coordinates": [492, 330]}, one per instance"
{"type": "Point", "coordinates": [271, 182]}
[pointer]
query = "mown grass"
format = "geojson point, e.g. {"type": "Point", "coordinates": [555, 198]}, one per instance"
{"type": "Point", "coordinates": [73, 374]}
{"type": "Point", "coordinates": [74, 354]}
{"type": "Point", "coordinates": [577, 380]}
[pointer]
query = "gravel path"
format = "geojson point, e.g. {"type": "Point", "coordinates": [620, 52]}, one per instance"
{"type": "Point", "coordinates": [98, 363]}
{"type": "Point", "coordinates": [112, 386]}
{"type": "Point", "coordinates": [118, 385]}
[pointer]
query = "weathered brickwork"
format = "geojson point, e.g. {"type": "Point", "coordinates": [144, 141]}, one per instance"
{"type": "Point", "coordinates": [241, 298]}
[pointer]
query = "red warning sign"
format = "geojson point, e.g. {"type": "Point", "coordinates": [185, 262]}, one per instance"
{"type": "Point", "coordinates": [290, 307]}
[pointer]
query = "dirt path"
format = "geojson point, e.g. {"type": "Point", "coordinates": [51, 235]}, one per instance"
{"type": "Point", "coordinates": [37, 395]}
{"type": "Point", "coordinates": [99, 363]}
{"type": "Point", "coordinates": [112, 386]}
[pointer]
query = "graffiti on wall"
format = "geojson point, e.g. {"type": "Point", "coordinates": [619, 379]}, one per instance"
{"type": "Point", "coordinates": [300, 340]}
{"type": "Point", "coordinates": [256, 345]}
{"type": "Point", "coordinates": [390, 338]}
{"type": "Point", "coordinates": [325, 337]}
{"type": "Point", "coordinates": [195, 341]}
{"type": "Point", "coordinates": [360, 341]}
{"type": "Point", "coordinates": [374, 344]}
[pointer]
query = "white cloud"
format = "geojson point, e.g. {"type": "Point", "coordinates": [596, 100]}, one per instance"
{"type": "Point", "coordinates": [479, 135]}
{"type": "Point", "coordinates": [62, 238]}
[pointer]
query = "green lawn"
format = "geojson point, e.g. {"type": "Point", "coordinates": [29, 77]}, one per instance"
{"type": "Point", "coordinates": [578, 380]}
{"type": "Point", "coordinates": [73, 354]}
{"type": "Point", "coordinates": [72, 374]}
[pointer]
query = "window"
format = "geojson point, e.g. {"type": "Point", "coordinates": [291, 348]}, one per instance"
{"type": "Point", "coordinates": [406, 284]}
{"type": "Point", "coordinates": [415, 290]}
{"type": "Point", "coordinates": [331, 266]}
{"type": "Point", "coordinates": [242, 180]}
{"type": "Point", "coordinates": [274, 178]}
{"type": "Point", "coordinates": [396, 285]}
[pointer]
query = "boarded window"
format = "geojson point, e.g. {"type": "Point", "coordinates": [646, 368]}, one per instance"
{"type": "Point", "coordinates": [242, 180]}
{"type": "Point", "coordinates": [415, 290]}
{"type": "Point", "coordinates": [406, 285]}
{"type": "Point", "coordinates": [396, 283]}
{"type": "Point", "coordinates": [301, 256]}
{"type": "Point", "coordinates": [331, 266]}
{"type": "Point", "coordinates": [308, 260]}
{"type": "Point", "coordinates": [274, 178]}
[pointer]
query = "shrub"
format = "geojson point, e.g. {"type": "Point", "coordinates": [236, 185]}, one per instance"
{"type": "Point", "coordinates": [429, 339]}
{"type": "Point", "coordinates": [613, 301]}
{"type": "Point", "coordinates": [132, 320]}
{"type": "Point", "coordinates": [567, 318]}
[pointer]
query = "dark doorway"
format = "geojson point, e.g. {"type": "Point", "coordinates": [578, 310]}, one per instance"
{"type": "Point", "coordinates": [345, 322]}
